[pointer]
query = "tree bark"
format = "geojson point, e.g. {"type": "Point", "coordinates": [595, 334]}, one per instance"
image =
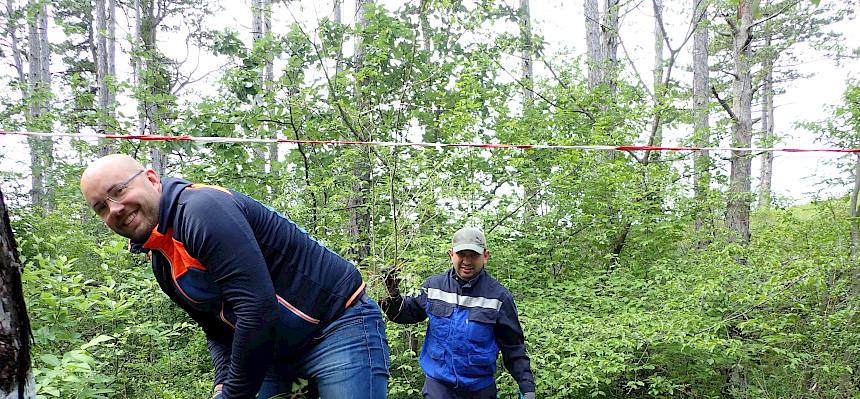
{"type": "Point", "coordinates": [701, 128]}
{"type": "Point", "coordinates": [104, 59]}
{"type": "Point", "coordinates": [39, 89]}
{"type": "Point", "coordinates": [357, 204]}
{"type": "Point", "coordinates": [659, 39]}
{"type": "Point", "coordinates": [427, 45]}
{"type": "Point", "coordinates": [845, 380]}
{"type": "Point", "coordinates": [854, 212]}
{"type": "Point", "coordinates": [261, 27]}
{"type": "Point", "coordinates": [610, 42]}
{"type": "Point", "coordinates": [531, 187]}
{"type": "Point", "coordinates": [527, 55]}
{"type": "Point", "coordinates": [153, 77]}
{"type": "Point", "coordinates": [767, 134]}
{"type": "Point", "coordinates": [12, 33]}
{"type": "Point", "coordinates": [16, 375]}
{"type": "Point", "coordinates": [594, 44]}
{"type": "Point", "coordinates": [739, 198]}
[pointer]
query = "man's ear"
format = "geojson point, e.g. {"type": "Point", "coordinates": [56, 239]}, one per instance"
{"type": "Point", "coordinates": [486, 254]}
{"type": "Point", "coordinates": [152, 176]}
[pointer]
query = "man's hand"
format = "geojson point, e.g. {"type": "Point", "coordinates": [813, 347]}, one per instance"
{"type": "Point", "coordinates": [392, 283]}
{"type": "Point", "coordinates": [529, 395]}
{"type": "Point", "coordinates": [383, 303]}
{"type": "Point", "coordinates": [216, 392]}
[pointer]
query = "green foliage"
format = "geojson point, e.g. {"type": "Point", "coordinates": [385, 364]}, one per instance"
{"type": "Point", "coordinates": [619, 294]}
{"type": "Point", "coordinates": [98, 318]}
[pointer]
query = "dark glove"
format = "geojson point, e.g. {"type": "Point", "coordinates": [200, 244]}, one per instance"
{"type": "Point", "coordinates": [392, 283]}
{"type": "Point", "coordinates": [384, 304]}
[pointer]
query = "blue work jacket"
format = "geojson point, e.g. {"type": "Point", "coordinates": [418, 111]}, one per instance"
{"type": "Point", "coordinates": [469, 324]}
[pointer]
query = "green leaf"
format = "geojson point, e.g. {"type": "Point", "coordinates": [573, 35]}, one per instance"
{"type": "Point", "coordinates": [97, 340]}
{"type": "Point", "coordinates": [50, 360]}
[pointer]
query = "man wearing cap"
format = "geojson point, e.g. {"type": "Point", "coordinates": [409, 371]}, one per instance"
{"type": "Point", "coordinates": [472, 317]}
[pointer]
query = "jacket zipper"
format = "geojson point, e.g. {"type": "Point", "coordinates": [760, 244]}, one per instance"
{"type": "Point", "coordinates": [173, 277]}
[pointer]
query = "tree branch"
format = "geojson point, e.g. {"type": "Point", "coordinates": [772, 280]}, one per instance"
{"type": "Point", "coordinates": [724, 104]}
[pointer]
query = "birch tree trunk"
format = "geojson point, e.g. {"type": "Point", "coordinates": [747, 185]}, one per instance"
{"type": "Point", "coordinates": [738, 209]}
{"type": "Point", "coordinates": [701, 128]}
{"type": "Point", "coordinates": [16, 375]}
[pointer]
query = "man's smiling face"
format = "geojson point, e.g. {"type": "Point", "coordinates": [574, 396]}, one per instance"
{"type": "Point", "coordinates": [124, 195]}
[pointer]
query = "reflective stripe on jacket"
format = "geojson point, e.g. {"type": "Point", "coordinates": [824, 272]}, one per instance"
{"type": "Point", "coordinates": [468, 325]}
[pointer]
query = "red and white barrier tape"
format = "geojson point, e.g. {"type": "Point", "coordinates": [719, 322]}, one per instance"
{"type": "Point", "coordinates": [423, 144]}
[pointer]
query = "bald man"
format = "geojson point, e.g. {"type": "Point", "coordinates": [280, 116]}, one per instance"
{"type": "Point", "coordinates": [275, 304]}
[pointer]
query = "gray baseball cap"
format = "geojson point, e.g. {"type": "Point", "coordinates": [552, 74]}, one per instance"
{"type": "Point", "coordinates": [469, 238]}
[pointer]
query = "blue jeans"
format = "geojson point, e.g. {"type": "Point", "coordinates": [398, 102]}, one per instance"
{"type": "Point", "coordinates": [346, 359]}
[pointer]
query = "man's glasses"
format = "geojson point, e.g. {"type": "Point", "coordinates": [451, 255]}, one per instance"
{"type": "Point", "coordinates": [114, 194]}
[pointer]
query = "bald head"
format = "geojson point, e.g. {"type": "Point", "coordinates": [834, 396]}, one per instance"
{"type": "Point", "coordinates": [124, 193]}
{"type": "Point", "coordinates": [119, 163]}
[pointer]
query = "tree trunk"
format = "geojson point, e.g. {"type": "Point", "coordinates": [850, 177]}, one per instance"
{"type": "Point", "coordinates": [269, 78]}
{"type": "Point", "coordinates": [153, 77]}
{"type": "Point", "coordinates": [16, 375]}
{"type": "Point", "coordinates": [111, 43]}
{"type": "Point", "coordinates": [103, 72]}
{"type": "Point", "coordinates": [656, 122]}
{"type": "Point", "coordinates": [854, 212]}
{"type": "Point", "coordinates": [701, 128]}
{"type": "Point", "coordinates": [845, 380]}
{"type": "Point", "coordinates": [357, 204]}
{"type": "Point", "coordinates": [767, 135]}
{"type": "Point", "coordinates": [738, 209]}
{"type": "Point", "coordinates": [739, 199]}
{"type": "Point", "coordinates": [261, 28]}
{"type": "Point", "coordinates": [425, 27]}
{"type": "Point", "coordinates": [531, 187]}
{"type": "Point", "coordinates": [338, 19]}
{"type": "Point", "coordinates": [594, 44]}
{"type": "Point", "coordinates": [12, 33]}
{"type": "Point", "coordinates": [610, 41]}
{"type": "Point", "coordinates": [527, 55]}
{"type": "Point", "coordinates": [39, 89]}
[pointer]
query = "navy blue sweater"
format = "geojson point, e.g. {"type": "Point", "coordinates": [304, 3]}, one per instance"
{"type": "Point", "coordinates": [257, 284]}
